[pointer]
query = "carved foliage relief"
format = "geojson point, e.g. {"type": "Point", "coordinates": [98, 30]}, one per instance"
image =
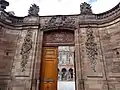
{"type": "Point", "coordinates": [59, 21]}
{"type": "Point", "coordinates": [91, 48]}
{"type": "Point", "coordinates": [59, 37]}
{"type": "Point", "coordinates": [33, 10]}
{"type": "Point", "coordinates": [85, 8]}
{"type": "Point", "coordinates": [25, 50]}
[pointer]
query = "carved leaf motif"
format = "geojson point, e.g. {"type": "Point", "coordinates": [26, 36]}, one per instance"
{"type": "Point", "coordinates": [34, 10]}
{"type": "Point", "coordinates": [25, 50]}
{"type": "Point", "coordinates": [91, 48]}
{"type": "Point", "coordinates": [85, 8]}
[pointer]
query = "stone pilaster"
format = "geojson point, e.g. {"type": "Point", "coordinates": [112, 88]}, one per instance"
{"type": "Point", "coordinates": [38, 57]}
{"type": "Point", "coordinates": [78, 69]}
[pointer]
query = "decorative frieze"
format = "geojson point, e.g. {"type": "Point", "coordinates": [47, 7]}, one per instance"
{"type": "Point", "coordinates": [59, 37]}
{"type": "Point", "coordinates": [25, 50]}
{"type": "Point", "coordinates": [59, 21]}
{"type": "Point", "coordinates": [91, 48]}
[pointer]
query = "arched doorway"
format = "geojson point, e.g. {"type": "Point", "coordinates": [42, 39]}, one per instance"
{"type": "Point", "coordinates": [49, 66]}
{"type": "Point", "coordinates": [63, 74]}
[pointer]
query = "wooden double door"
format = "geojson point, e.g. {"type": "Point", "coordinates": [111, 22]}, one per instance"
{"type": "Point", "coordinates": [49, 68]}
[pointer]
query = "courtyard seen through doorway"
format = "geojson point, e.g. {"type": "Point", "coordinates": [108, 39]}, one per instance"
{"type": "Point", "coordinates": [66, 73]}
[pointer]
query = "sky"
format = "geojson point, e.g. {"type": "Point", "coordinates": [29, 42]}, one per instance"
{"type": "Point", "coordinates": [59, 7]}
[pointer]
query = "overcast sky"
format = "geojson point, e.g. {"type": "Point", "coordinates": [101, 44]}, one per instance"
{"type": "Point", "coordinates": [59, 7]}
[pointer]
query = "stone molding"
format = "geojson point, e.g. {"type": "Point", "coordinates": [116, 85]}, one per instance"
{"type": "Point", "coordinates": [101, 18]}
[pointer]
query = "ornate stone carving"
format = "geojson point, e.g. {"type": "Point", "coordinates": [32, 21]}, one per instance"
{"type": "Point", "coordinates": [3, 5]}
{"type": "Point", "coordinates": [7, 17]}
{"type": "Point", "coordinates": [12, 13]}
{"type": "Point", "coordinates": [59, 37]}
{"type": "Point", "coordinates": [34, 10]}
{"type": "Point", "coordinates": [59, 21]}
{"type": "Point", "coordinates": [85, 8]}
{"type": "Point", "coordinates": [91, 48]}
{"type": "Point", "coordinates": [25, 50]}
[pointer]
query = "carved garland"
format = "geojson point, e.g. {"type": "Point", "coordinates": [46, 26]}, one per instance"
{"type": "Point", "coordinates": [91, 48]}
{"type": "Point", "coordinates": [25, 50]}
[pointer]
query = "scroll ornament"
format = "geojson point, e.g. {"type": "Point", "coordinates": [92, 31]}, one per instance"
{"type": "Point", "coordinates": [25, 50]}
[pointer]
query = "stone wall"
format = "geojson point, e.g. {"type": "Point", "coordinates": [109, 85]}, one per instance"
{"type": "Point", "coordinates": [110, 43]}
{"type": "Point", "coordinates": [97, 49]}
{"type": "Point", "coordinates": [22, 72]}
{"type": "Point", "coordinates": [17, 56]}
{"type": "Point", "coordinates": [8, 45]}
{"type": "Point", "coordinates": [99, 56]}
{"type": "Point", "coordinates": [92, 64]}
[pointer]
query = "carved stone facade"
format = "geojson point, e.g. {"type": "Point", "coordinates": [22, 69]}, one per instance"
{"type": "Point", "coordinates": [96, 38]}
{"type": "Point", "coordinates": [59, 37]}
{"type": "Point", "coordinates": [25, 50]}
{"type": "Point", "coordinates": [59, 22]}
{"type": "Point", "coordinates": [91, 48]}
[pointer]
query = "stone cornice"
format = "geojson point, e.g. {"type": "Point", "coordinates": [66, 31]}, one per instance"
{"type": "Point", "coordinates": [96, 19]}
{"type": "Point", "coordinates": [109, 12]}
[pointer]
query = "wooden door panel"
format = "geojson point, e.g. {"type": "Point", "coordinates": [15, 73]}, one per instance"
{"type": "Point", "coordinates": [49, 68]}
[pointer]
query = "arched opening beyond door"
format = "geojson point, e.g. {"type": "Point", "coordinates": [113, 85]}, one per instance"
{"type": "Point", "coordinates": [66, 75]}
{"type": "Point", "coordinates": [57, 66]}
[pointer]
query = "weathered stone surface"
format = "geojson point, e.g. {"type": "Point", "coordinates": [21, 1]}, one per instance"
{"type": "Point", "coordinates": [33, 10]}
{"type": "Point", "coordinates": [85, 8]}
{"type": "Point", "coordinates": [96, 38]}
